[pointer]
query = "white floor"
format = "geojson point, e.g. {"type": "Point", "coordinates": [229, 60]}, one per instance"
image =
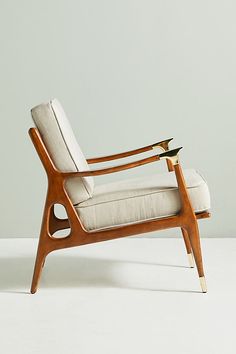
{"type": "Point", "coordinates": [125, 296]}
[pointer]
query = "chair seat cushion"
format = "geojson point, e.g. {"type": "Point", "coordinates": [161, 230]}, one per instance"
{"type": "Point", "coordinates": [139, 199]}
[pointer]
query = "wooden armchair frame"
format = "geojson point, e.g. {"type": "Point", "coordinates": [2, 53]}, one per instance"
{"type": "Point", "coordinates": [186, 219]}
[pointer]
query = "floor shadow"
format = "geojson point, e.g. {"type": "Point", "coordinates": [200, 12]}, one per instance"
{"type": "Point", "coordinates": [68, 272]}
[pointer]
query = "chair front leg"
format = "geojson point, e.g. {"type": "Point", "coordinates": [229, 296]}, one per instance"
{"type": "Point", "coordinates": [185, 235]}
{"type": "Point", "coordinates": [188, 220]}
{"type": "Point", "coordinates": [190, 224]}
{"type": "Point", "coordinates": [193, 232]}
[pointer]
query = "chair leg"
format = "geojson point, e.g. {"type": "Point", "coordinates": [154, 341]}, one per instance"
{"type": "Point", "coordinates": [188, 247]}
{"type": "Point", "coordinates": [193, 233]}
{"type": "Point", "coordinates": [39, 263]}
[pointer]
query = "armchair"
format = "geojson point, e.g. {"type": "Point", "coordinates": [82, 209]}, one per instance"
{"type": "Point", "coordinates": [114, 210]}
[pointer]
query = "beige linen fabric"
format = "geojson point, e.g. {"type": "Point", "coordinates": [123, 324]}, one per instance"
{"type": "Point", "coordinates": [57, 135]}
{"type": "Point", "coordinates": [140, 199]}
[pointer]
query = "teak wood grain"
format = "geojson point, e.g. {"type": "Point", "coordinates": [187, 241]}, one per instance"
{"type": "Point", "coordinates": [57, 194]}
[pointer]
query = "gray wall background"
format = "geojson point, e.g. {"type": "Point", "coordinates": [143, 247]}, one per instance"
{"type": "Point", "coordinates": [128, 74]}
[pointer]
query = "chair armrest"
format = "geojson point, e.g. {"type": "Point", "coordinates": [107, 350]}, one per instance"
{"type": "Point", "coordinates": [169, 155]}
{"type": "Point", "coordinates": [164, 145]}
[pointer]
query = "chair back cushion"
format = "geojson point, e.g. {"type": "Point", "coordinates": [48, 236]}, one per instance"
{"type": "Point", "coordinates": [62, 146]}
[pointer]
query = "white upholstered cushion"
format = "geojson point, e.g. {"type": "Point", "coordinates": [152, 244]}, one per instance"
{"type": "Point", "coordinates": [140, 199]}
{"type": "Point", "coordinates": [57, 135]}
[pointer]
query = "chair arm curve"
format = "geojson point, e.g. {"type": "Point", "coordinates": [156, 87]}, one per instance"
{"type": "Point", "coordinates": [164, 145]}
{"type": "Point", "coordinates": [170, 154]}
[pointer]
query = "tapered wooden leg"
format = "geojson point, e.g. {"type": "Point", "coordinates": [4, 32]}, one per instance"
{"type": "Point", "coordinates": [193, 233]}
{"type": "Point", "coordinates": [39, 262]}
{"type": "Point", "coordinates": [188, 247]}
